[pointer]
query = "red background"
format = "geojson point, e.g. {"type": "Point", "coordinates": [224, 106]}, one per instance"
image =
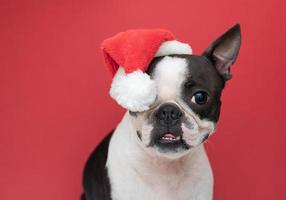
{"type": "Point", "coordinates": [55, 107]}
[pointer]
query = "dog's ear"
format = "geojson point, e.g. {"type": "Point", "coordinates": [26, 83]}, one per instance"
{"type": "Point", "coordinates": [223, 51]}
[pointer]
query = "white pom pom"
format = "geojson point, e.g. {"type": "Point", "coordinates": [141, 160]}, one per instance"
{"type": "Point", "coordinates": [173, 47]}
{"type": "Point", "coordinates": [134, 91]}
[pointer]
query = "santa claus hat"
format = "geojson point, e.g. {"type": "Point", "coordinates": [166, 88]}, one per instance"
{"type": "Point", "coordinates": [128, 55]}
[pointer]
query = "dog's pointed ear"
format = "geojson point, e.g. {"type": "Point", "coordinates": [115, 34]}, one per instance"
{"type": "Point", "coordinates": [223, 51]}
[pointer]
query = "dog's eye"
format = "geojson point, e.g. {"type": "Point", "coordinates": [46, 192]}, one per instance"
{"type": "Point", "coordinates": [200, 98]}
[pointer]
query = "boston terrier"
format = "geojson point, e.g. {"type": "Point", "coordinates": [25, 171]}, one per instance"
{"type": "Point", "coordinates": [158, 154]}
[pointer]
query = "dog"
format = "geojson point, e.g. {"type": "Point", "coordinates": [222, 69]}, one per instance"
{"type": "Point", "coordinates": [158, 154]}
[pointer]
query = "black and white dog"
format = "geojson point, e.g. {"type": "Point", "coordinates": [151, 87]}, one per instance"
{"type": "Point", "coordinates": [158, 154]}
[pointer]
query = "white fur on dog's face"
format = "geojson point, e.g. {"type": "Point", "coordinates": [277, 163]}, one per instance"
{"type": "Point", "coordinates": [170, 73]}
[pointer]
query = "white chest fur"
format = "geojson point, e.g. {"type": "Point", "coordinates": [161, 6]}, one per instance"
{"type": "Point", "coordinates": [136, 175]}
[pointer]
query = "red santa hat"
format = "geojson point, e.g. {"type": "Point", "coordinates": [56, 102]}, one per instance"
{"type": "Point", "coordinates": [128, 55]}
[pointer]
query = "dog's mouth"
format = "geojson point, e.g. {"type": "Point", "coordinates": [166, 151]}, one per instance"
{"type": "Point", "coordinates": [170, 138]}
{"type": "Point", "coordinates": [171, 142]}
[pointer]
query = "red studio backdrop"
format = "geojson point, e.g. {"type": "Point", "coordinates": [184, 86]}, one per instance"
{"type": "Point", "coordinates": [54, 101]}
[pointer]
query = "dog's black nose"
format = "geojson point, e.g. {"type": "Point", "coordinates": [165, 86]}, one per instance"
{"type": "Point", "coordinates": [169, 114]}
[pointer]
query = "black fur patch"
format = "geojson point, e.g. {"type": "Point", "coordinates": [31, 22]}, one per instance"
{"type": "Point", "coordinates": [203, 76]}
{"type": "Point", "coordinates": [95, 178]}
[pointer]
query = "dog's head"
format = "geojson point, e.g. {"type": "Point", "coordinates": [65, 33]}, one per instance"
{"type": "Point", "coordinates": [188, 104]}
